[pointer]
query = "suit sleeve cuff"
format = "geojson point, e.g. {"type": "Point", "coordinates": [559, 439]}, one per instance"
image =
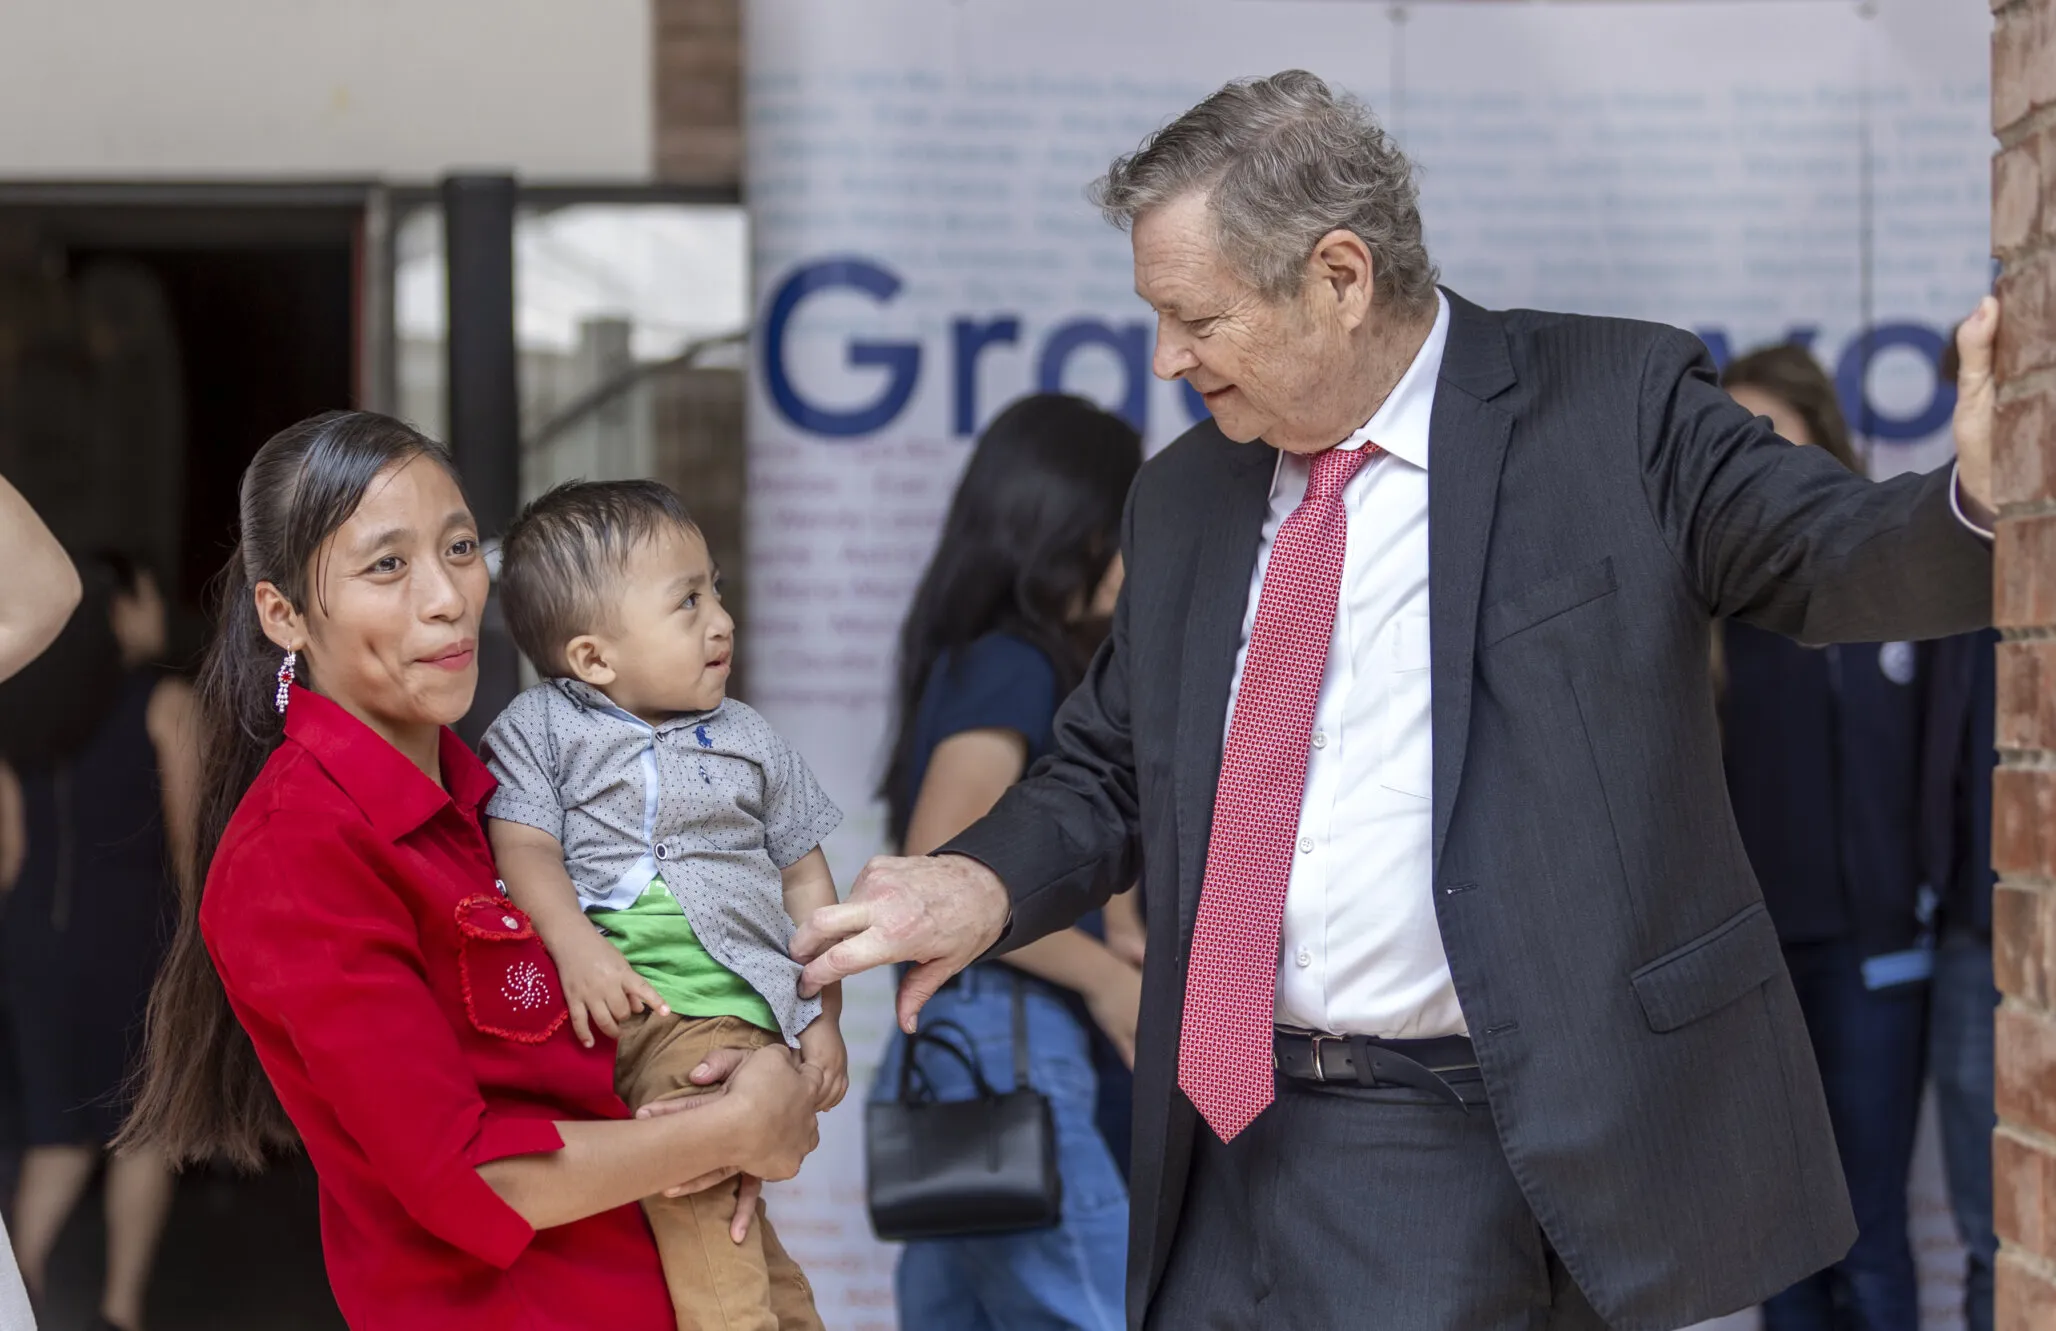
{"type": "Point", "coordinates": [1956, 502]}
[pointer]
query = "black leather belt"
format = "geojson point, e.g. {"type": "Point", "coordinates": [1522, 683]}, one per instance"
{"type": "Point", "coordinates": [1436, 1066]}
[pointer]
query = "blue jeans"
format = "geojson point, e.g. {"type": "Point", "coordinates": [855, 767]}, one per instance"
{"type": "Point", "coordinates": [1072, 1275]}
{"type": "Point", "coordinates": [1960, 1059]}
{"type": "Point", "coordinates": [1869, 1045]}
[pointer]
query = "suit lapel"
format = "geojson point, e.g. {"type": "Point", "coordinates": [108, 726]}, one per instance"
{"type": "Point", "coordinates": [1226, 557]}
{"type": "Point", "coordinates": [1467, 447]}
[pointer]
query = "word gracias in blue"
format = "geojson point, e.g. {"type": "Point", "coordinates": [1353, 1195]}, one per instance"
{"type": "Point", "coordinates": [1130, 342]}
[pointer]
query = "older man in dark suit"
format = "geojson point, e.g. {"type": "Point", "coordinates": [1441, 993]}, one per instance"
{"type": "Point", "coordinates": [1462, 1009]}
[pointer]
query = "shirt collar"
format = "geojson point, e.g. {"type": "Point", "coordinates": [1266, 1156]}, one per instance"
{"type": "Point", "coordinates": [590, 698]}
{"type": "Point", "coordinates": [394, 794]}
{"type": "Point", "coordinates": [1400, 426]}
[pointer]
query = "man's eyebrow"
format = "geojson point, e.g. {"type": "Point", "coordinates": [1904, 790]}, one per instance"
{"type": "Point", "coordinates": [687, 581]}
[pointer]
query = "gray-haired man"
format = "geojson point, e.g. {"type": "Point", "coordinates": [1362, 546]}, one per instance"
{"type": "Point", "coordinates": [1462, 1008]}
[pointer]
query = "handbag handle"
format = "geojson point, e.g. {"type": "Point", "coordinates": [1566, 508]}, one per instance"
{"type": "Point", "coordinates": [1020, 1033]}
{"type": "Point", "coordinates": [932, 1034]}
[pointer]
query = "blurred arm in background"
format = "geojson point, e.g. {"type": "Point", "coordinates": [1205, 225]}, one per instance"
{"type": "Point", "coordinates": [39, 588]}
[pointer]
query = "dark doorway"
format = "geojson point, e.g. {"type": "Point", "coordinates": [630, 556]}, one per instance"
{"type": "Point", "coordinates": [165, 345]}
{"type": "Point", "coordinates": [264, 339]}
{"type": "Point", "coordinates": [146, 351]}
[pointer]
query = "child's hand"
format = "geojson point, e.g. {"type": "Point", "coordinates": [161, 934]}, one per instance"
{"type": "Point", "coordinates": [821, 1047]}
{"type": "Point", "coordinates": [601, 987]}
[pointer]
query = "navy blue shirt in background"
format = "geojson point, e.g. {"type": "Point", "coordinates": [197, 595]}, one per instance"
{"type": "Point", "coordinates": [999, 682]}
{"type": "Point", "coordinates": [1961, 757]}
{"type": "Point", "coordinates": [1823, 753]}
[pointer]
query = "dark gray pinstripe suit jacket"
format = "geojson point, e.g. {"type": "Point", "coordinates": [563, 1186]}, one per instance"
{"type": "Point", "coordinates": [1596, 502]}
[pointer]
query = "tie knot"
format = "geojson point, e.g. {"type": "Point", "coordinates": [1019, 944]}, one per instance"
{"type": "Point", "coordinates": [1332, 470]}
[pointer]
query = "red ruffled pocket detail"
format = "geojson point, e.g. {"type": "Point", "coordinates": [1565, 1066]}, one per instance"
{"type": "Point", "coordinates": [511, 987]}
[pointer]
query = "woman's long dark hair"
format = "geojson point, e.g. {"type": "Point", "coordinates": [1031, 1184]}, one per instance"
{"type": "Point", "coordinates": [201, 1091]}
{"type": "Point", "coordinates": [1034, 525]}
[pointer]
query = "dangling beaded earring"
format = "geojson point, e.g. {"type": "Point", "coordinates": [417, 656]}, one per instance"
{"type": "Point", "coordinates": [285, 681]}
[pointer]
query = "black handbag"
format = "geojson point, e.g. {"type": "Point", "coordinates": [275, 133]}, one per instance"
{"type": "Point", "coordinates": [943, 1168]}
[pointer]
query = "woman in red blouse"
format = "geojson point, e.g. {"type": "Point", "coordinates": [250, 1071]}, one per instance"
{"type": "Point", "coordinates": [352, 950]}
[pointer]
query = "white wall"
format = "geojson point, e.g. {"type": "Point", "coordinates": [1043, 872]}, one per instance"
{"type": "Point", "coordinates": [331, 88]}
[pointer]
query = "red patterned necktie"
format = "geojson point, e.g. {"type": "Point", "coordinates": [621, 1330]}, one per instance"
{"type": "Point", "coordinates": [1231, 985]}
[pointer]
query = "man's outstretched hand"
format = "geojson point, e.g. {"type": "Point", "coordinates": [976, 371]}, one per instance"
{"type": "Point", "coordinates": [938, 912]}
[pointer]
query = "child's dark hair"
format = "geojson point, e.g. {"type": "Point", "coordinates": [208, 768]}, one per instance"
{"type": "Point", "coordinates": [562, 558]}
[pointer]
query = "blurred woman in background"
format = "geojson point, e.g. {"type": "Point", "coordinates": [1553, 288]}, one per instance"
{"type": "Point", "coordinates": [85, 841]}
{"type": "Point", "coordinates": [1016, 598]}
{"type": "Point", "coordinates": [1823, 759]}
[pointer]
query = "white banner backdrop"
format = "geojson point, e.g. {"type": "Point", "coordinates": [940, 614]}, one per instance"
{"type": "Point", "coordinates": [1814, 170]}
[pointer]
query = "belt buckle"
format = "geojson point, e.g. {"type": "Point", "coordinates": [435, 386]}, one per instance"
{"type": "Point", "coordinates": [1320, 1073]}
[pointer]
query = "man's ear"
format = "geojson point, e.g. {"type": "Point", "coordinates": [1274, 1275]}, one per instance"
{"type": "Point", "coordinates": [589, 659]}
{"type": "Point", "coordinates": [281, 622]}
{"type": "Point", "coordinates": [1342, 263]}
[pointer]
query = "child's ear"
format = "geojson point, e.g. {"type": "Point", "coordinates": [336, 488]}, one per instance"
{"type": "Point", "coordinates": [587, 657]}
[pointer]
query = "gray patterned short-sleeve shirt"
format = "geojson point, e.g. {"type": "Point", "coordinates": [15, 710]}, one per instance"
{"type": "Point", "coordinates": [715, 803]}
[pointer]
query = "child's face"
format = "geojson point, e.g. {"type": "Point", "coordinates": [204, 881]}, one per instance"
{"type": "Point", "coordinates": [670, 644]}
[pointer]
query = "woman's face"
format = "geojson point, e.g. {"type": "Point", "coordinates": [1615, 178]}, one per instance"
{"type": "Point", "coordinates": [1783, 419]}
{"type": "Point", "coordinates": [390, 628]}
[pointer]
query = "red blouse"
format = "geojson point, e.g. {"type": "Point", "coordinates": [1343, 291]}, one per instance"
{"type": "Point", "coordinates": [415, 1029]}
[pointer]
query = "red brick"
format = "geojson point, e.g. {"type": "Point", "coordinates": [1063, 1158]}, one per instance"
{"type": "Point", "coordinates": [2024, 443]}
{"type": "Point", "coordinates": [2027, 695]}
{"type": "Point", "coordinates": [698, 16]}
{"type": "Point", "coordinates": [2027, 1068]}
{"type": "Point", "coordinates": [2024, 1202]}
{"type": "Point", "coordinates": [2024, 943]}
{"type": "Point", "coordinates": [717, 58]}
{"type": "Point", "coordinates": [2027, 311]}
{"type": "Point", "coordinates": [2023, 821]}
{"type": "Point", "coordinates": [698, 76]}
{"type": "Point", "coordinates": [2023, 61]}
{"type": "Point", "coordinates": [706, 157]}
{"type": "Point", "coordinates": [2024, 595]}
{"type": "Point", "coordinates": [2026, 1297]}
{"type": "Point", "coordinates": [2024, 190]}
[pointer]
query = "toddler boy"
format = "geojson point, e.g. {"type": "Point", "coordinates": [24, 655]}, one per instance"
{"type": "Point", "coordinates": [663, 839]}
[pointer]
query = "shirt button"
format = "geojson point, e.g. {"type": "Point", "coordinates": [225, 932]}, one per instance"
{"type": "Point", "coordinates": [510, 922]}
{"type": "Point", "coordinates": [1320, 739]}
{"type": "Point", "coordinates": [663, 853]}
{"type": "Point", "coordinates": [1306, 845]}
{"type": "Point", "coordinates": [1304, 958]}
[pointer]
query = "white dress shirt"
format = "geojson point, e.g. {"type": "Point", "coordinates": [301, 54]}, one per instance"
{"type": "Point", "coordinates": [1361, 952]}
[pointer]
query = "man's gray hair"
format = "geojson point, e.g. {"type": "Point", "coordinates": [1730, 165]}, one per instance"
{"type": "Point", "coordinates": [1282, 162]}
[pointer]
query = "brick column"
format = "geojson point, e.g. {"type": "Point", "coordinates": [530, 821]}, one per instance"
{"type": "Point", "coordinates": [698, 83]}
{"type": "Point", "coordinates": [2024, 833]}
